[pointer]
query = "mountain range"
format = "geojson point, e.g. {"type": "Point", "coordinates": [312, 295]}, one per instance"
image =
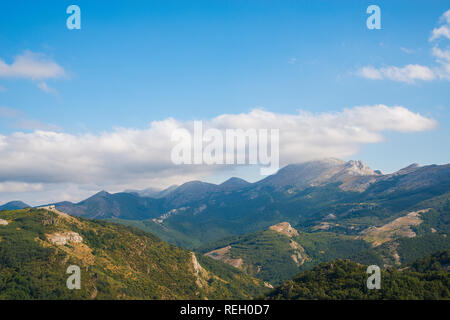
{"type": "Point", "coordinates": [336, 209]}
{"type": "Point", "coordinates": [275, 233]}
{"type": "Point", "coordinates": [303, 194]}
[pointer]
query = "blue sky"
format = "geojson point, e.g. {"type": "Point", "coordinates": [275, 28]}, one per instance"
{"type": "Point", "coordinates": [134, 62]}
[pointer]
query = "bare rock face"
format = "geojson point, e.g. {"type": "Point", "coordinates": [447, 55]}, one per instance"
{"type": "Point", "coordinates": [61, 239]}
{"type": "Point", "coordinates": [201, 274]}
{"type": "Point", "coordinates": [284, 228]}
{"type": "Point", "coordinates": [223, 254]}
{"type": "Point", "coordinates": [358, 168]}
{"type": "Point", "coordinates": [353, 175]}
{"type": "Point", "coordinates": [3, 222]}
{"type": "Point", "coordinates": [400, 227]}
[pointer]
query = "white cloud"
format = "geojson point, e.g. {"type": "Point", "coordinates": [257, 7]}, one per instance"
{"type": "Point", "coordinates": [445, 18]}
{"type": "Point", "coordinates": [370, 72]}
{"type": "Point", "coordinates": [132, 158]}
{"type": "Point", "coordinates": [443, 58]}
{"type": "Point", "coordinates": [444, 30]}
{"type": "Point", "coordinates": [29, 65]}
{"type": "Point", "coordinates": [408, 74]}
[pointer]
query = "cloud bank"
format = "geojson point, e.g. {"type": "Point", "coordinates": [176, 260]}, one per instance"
{"type": "Point", "coordinates": [136, 158]}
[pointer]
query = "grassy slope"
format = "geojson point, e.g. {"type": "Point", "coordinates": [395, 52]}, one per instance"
{"type": "Point", "coordinates": [267, 254]}
{"type": "Point", "coordinates": [268, 257]}
{"type": "Point", "coordinates": [166, 234]}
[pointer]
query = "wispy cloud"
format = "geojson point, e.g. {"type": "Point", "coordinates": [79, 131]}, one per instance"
{"type": "Point", "coordinates": [406, 50]}
{"type": "Point", "coordinates": [44, 87]}
{"type": "Point", "coordinates": [408, 74]}
{"type": "Point", "coordinates": [443, 58]}
{"type": "Point", "coordinates": [6, 112]}
{"type": "Point", "coordinates": [444, 30]}
{"type": "Point", "coordinates": [16, 119]}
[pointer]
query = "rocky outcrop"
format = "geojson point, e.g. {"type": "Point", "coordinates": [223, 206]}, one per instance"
{"type": "Point", "coordinates": [285, 229]}
{"type": "Point", "coordinates": [398, 228]}
{"type": "Point", "coordinates": [202, 276]}
{"type": "Point", "coordinates": [299, 256]}
{"type": "Point", "coordinates": [63, 238]}
{"type": "Point", "coordinates": [353, 175]}
{"type": "Point", "coordinates": [223, 254]}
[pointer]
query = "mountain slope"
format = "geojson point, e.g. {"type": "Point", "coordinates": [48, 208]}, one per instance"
{"type": "Point", "coordinates": [280, 252]}
{"type": "Point", "coordinates": [117, 262]}
{"type": "Point", "coordinates": [376, 200]}
{"type": "Point", "coordinates": [319, 172]}
{"type": "Point", "coordinates": [233, 184]}
{"type": "Point", "coordinates": [106, 205]}
{"type": "Point", "coordinates": [276, 254]}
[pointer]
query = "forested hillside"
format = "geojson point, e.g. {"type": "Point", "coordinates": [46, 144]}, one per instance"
{"type": "Point", "coordinates": [117, 262]}
{"type": "Point", "coordinates": [428, 278]}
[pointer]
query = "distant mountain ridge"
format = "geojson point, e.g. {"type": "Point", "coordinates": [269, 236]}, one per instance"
{"type": "Point", "coordinates": [107, 205]}
{"type": "Point", "coordinates": [14, 205]}
{"type": "Point", "coordinates": [303, 194]}
{"type": "Point", "coordinates": [351, 176]}
{"type": "Point", "coordinates": [152, 192]}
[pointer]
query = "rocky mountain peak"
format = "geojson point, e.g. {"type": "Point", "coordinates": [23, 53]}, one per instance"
{"type": "Point", "coordinates": [358, 168]}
